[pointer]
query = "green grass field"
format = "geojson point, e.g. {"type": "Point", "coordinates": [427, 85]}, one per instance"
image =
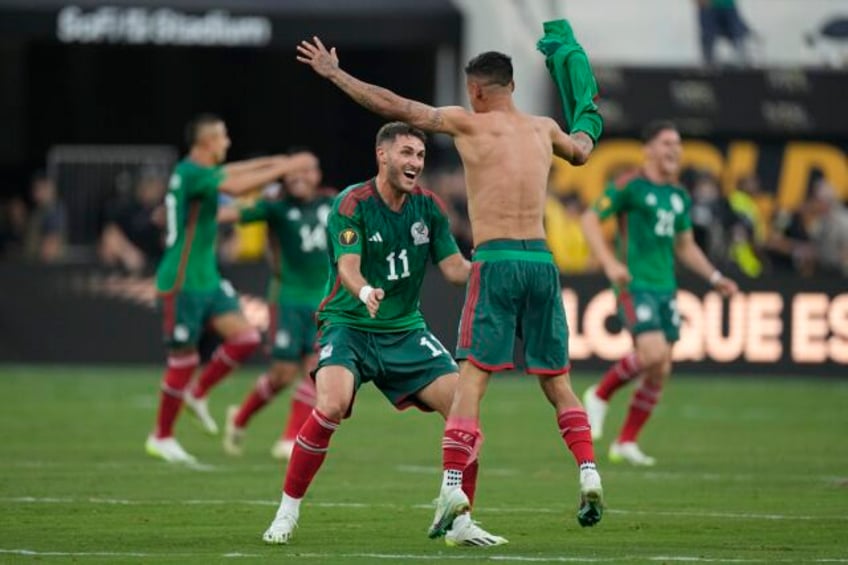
{"type": "Point", "coordinates": [750, 471]}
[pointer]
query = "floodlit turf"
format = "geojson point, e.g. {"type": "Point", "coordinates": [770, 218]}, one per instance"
{"type": "Point", "coordinates": [754, 471]}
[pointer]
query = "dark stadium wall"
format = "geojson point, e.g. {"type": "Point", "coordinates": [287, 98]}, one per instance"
{"type": "Point", "coordinates": [783, 325]}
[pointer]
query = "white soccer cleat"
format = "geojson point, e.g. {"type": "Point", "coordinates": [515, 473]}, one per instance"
{"type": "Point", "coordinates": [281, 529]}
{"type": "Point", "coordinates": [200, 408]}
{"type": "Point", "coordinates": [282, 449]}
{"type": "Point", "coordinates": [591, 498]}
{"type": "Point", "coordinates": [233, 435]}
{"type": "Point", "coordinates": [169, 449]}
{"type": "Point", "coordinates": [451, 503]}
{"type": "Point", "coordinates": [629, 451]}
{"type": "Point", "coordinates": [596, 411]}
{"type": "Point", "coordinates": [466, 532]}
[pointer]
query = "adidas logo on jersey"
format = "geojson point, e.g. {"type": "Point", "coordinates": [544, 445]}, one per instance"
{"type": "Point", "coordinates": [377, 238]}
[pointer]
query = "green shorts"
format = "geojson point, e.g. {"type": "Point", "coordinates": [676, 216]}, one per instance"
{"type": "Point", "coordinates": [514, 290]}
{"type": "Point", "coordinates": [291, 330]}
{"type": "Point", "coordinates": [647, 311]}
{"type": "Point", "coordinates": [399, 363]}
{"type": "Point", "coordinates": [186, 312]}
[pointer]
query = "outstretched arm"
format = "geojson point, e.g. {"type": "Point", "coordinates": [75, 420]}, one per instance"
{"type": "Point", "coordinates": [448, 119]}
{"type": "Point", "coordinates": [574, 148]}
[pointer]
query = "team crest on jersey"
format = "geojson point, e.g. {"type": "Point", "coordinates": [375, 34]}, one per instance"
{"type": "Point", "coordinates": [604, 203]}
{"type": "Point", "coordinates": [348, 237]}
{"type": "Point", "coordinates": [294, 214]}
{"type": "Point", "coordinates": [651, 200]}
{"type": "Point", "coordinates": [677, 203]}
{"type": "Point", "coordinates": [420, 233]}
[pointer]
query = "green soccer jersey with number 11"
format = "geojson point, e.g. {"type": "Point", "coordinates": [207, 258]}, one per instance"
{"type": "Point", "coordinates": [649, 217]}
{"type": "Point", "coordinates": [395, 249]}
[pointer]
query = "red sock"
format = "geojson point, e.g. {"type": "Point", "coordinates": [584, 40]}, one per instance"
{"type": "Point", "coordinates": [302, 402]}
{"type": "Point", "coordinates": [227, 357]}
{"type": "Point", "coordinates": [574, 428]}
{"type": "Point", "coordinates": [177, 376]}
{"type": "Point", "coordinates": [461, 443]}
{"type": "Point", "coordinates": [618, 375]}
{"type": "Point", "coordinates": [641, 407]}
{"type": "Point", "coordinates": [256, 399]}
{"type": "Point", "coordinates": [309, 452]}
{"type": "Point", "coordinates": [469, 480]}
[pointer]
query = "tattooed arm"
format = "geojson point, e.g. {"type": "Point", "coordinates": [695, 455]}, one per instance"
{"type": "Point", "coordinates": [448, 119]}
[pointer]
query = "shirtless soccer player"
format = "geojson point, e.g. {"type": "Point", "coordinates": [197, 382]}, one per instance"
{"type": "Point", "coordinates": [514, 285]}
{"type": "Point", "coordinates": [382, 234]}
{"type": "Point", "coordinates": [191, 291]}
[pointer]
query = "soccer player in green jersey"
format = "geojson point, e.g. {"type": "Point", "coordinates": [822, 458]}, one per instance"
{"type": "Point", "coordinates": [191, 292]}
{"type": "Point", "coordinates": [381, 236]}
{"type": "Point", "coordinates": [514, 287]}
{"type": "Point", "coordinates": [652, 210]}
{"type": "Point", "coordinates": [297, 223]}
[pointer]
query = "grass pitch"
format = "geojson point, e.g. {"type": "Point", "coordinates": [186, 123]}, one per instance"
{"type": "Point", "coordinates": [750, 471]}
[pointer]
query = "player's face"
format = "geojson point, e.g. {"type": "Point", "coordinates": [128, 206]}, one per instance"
{"type": "Point", "coordinates": [216, 139]}
{"type": "Point", "coordinates": [665, 151]}
{"type": "Point", "coordinates": [403, 161]}
{"type": "Point", "coordinates": [303, 182]}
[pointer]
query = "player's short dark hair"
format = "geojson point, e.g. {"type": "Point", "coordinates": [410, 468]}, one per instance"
{"type": "Point", "coordinates": [653, 129]}
{"type": "Point", "coordinates": [491, 65]}
{"type": "Point", "coordinates": [192, 130]}
{"type": "Point", "coordinates": [393, 130]}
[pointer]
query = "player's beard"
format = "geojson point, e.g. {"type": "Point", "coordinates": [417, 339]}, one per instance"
{"type": "Point", "coordinates": [399, 181]}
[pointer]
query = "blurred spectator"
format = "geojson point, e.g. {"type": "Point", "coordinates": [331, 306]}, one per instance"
{"type": "Point", "coordinates": [565, 234]}
{"type": "Point", "coordinates": [721, 18]}
{"type": "Point", "coordinates": [830, 231]}
{"type": "Point", "coordinates": [790, 242]}
{"type": "Point", "coordinates": [748, 232]}
{"type": "Point", "coordinates": [450, 186]}
{"type": "Point", "coordinates": [712, 218]}
{"type": "Point", "coordinates": [13, 225]}
{"type": "Point", "coordinates": [44, 238]}
{"type": "Point", "coordinates": [132, 236]}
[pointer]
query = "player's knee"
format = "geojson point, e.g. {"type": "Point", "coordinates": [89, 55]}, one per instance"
{"type": "Point", "coordinates": [334, 408]}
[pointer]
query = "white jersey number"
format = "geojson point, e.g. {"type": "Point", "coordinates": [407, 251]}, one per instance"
{"type": "Point", "coordinates": [393, 274]}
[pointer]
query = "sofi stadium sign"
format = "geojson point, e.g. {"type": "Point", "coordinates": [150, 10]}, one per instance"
{"type": "Point", "coordinates": [161, 26]}
{"type": "Point", "coordinates": [759, 327]}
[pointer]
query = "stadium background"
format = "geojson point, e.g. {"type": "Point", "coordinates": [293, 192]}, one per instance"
{"type": "Point", "coordinates": [95, 95]}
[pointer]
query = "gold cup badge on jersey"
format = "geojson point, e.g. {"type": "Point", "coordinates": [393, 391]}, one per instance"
{"type": "Point", "coordinates": [348, 237]}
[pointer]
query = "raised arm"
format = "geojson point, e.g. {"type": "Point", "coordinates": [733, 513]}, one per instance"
{"type": "Point", "coordinates": [690, 254]}
{"type": "Point", "coordinates": [237, 182]}
{"type": "Point", "coordinates": [574, 148]}
{"type": "Point", "coordinates": [447, 119]}
{"type": "Point", "coordinates": [250, 165]}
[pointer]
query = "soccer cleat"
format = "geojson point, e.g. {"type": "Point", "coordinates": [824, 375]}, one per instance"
{"type": "Point", "coordinates": [281, 529]}
{"type": "Point", "coordinates": [591, 498]}
{"type": "Point", "coordinates": [200, 409]}
{"type": "Point", "coordinates": [282, 449]}
{"type": "Point", "coordinates": [169, 449]}
{"type": "Point", "coordinates": [451, 503]}
{"type": "Point", "coordinates": [466, 532]}
{"type": "Point", "coordinates": [596, 411]}
{"type": "Point", "coordinates": [233, 435]}
{"type": "Point", "coordinates": [629, 451]}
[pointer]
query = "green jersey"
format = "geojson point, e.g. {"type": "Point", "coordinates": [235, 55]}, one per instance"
{"type": "Point", "coordinates": [649, 217]}
{"type": "Point", "coordinates": [395, 248]}
{"type": "Point", "coordinates": [298, 236]}
{"type": "Point", "coordinates": [191, 210]}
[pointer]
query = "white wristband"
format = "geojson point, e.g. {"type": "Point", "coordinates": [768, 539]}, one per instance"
{"type": "Point", "coordinates": [365, 292]}
{"type": "Point", "coordinates": [715, 277]}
